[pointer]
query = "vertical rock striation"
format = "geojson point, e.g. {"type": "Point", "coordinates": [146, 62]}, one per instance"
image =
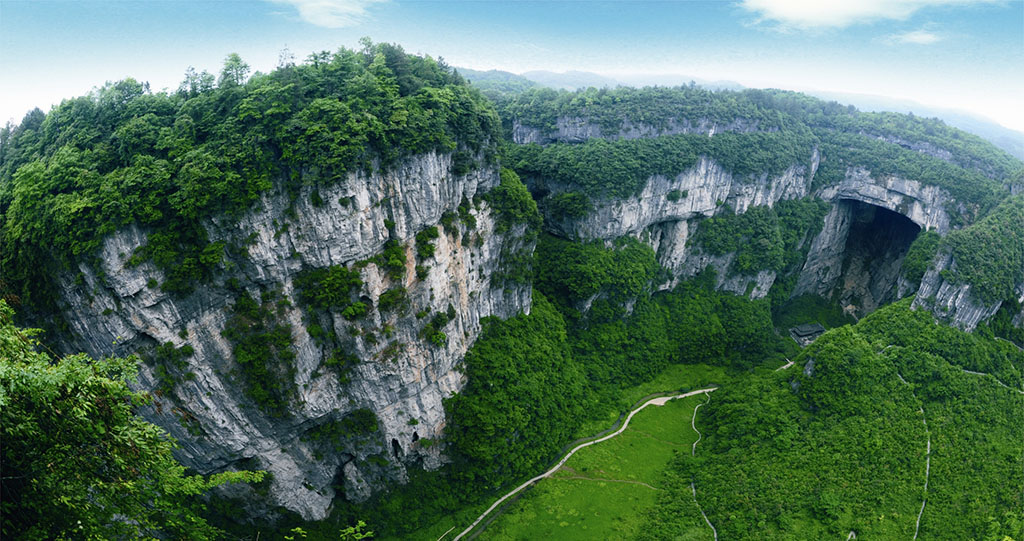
{"type": "Point", "coordinates": [400, 377]}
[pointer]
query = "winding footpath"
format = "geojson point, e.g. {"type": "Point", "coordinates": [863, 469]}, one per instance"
{"type": "Point", "coordinates": [661, 401]}
{"type": "Point", "coordinates": [693, 452]}
{"type": "Point", "coordinates": [927, 457]}
{"type": "Point", "coordinates": [785, 366]}
{"type": "Point", "coordinates": [966, 371]}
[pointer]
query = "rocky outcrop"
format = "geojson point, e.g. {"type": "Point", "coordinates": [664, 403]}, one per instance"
{"type": "Point", "coordinates": [925, 205]}
{"type": "Point", "coordinates": [401, 378]}
{"type": "Point", "coordinates": [952, 302]}
{"type": "Point", "coordinates": [857, 257]}
{"type": "Point", "coordinates": [578, 130]}
{"type": "Point", "coordinates": [667, 210]}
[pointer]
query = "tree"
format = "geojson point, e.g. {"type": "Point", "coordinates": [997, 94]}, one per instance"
{"type": "Point", "coordinates": [77, 461]}
{"type": "Point", "coordinates": [195, 83]}
{"type": "Point", "coordinates": [234, 72]}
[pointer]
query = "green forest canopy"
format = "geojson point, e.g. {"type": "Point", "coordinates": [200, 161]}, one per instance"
{"type": "Point", "coordinates": [165, 161]}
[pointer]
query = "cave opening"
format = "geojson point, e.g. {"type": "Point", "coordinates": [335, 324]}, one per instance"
{"type": "Point", "coordinates": [876, 243]}
{"type": "Point", "coordinates": [396, 449]}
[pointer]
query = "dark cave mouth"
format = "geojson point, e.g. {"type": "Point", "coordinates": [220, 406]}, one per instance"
{"type": "Point", "coordinates": [876, 244]}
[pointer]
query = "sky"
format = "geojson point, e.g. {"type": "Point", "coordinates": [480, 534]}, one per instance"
{"type": "Point", "coordinates": [958, 54]}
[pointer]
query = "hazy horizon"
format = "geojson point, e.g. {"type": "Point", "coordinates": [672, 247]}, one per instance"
{"type": "Point", "coordinates": [950, 54]}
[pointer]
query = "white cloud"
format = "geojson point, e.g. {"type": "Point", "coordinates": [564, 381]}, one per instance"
{"type": "Point", "coordinates": [916, 37]}
{"type": "Point", "coordinates": [806, 14]}
{"type": "Point", "coordinates": [331, 13]}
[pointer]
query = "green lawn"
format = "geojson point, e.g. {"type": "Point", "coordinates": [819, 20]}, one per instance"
{"type": "Point", "coordinates": [677, 377]}
{"type": "Point", "coordinates": [604, 489]}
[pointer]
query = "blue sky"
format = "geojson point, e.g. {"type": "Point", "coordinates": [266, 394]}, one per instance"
{"type": "Point", "coordinates": [963, 54]}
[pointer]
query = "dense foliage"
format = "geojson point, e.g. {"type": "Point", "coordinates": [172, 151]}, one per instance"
{"type": "Point", "coordinates": [514, 204]}
{"type": "Point", "coordinates": [522, 401]}
{"type": "Point", "coordinates": [840, 445]}
{"type": "Point", "coordinates": [124, 155]}
{"type": "Point", "coordinates": [920, 255]}
{"type": "Point", "coordinates": [797, 454]}
{"type": "Point", "coordinates": [990, 254]}
{"type": "Point", "coordinates": [533, 379]}
{"type": "Point", "coordinates": [655, 107]}
{"type": "Point", "coordinates": [78, 463]}
{"type": "Point", "coordinates": [572, 273]}
{"type": "Point", "coordinates": [976, 191]}
{"type": "Point", "coordinates": [620, 168]}
{"type": "Point", "coordinates": [263, 351]}
{"type": "Point", "coordinates": [763, 237]}
{"type": "Point", "coordinates": [771, 131]}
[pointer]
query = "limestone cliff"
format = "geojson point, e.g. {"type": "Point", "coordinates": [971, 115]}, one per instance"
{"type": "Point", "coordinates": [861, 269]}
{"type": "Point", "coordinates": [951, 302]}
{"type": "Point", "coordinates": [402, 378]}
{"type": "Point", "coordinates": [577, 130]}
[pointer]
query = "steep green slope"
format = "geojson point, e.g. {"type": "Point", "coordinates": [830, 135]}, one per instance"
{"type": "Point", "coordinates": [840, 442]}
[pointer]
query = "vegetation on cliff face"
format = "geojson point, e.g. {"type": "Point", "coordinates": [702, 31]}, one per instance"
{"type": "Point", "coordinates": [165, 161]}
{"type": "Point", "coordinates": [774, 130]}
{"type": "Point", "coordinates": [799, 454]}
{"type": "Point", "coordinates": [78, 462]}
{"type": "Point", "coordinates": [620, 168]}
{"type": "Point", "coordinates": [763, 237]}
{"type": "Point", "coordinates": [989, 255]}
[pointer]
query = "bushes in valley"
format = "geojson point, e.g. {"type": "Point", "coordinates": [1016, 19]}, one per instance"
{"type": "Point", "coordinates": [523, 398]}
{"type": "Point", "coordinates": [1001, 323]}
{"type": "Point", "coordinates": [838, 443]}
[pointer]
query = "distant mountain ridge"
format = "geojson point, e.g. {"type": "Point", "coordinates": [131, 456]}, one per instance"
{"type": "Point", "coordinates": [1011, 141]}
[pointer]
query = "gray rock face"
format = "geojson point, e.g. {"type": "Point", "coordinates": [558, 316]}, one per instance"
{"type": "Point", "coordinates": [667, 226]}
{"type": "Point", "coordinates": [578, 130]}
{"type": "Point", "coordinates": [401, 377]}
{"type": "Point", "coordinates": [923, 204]}
{"type": "Point", "coordinates": [953, 303]}
{"type": "Point", "coordinates": [871, 278]}
{"type": "Point", "coordinates": [858, 255]}
{"type": "Point", "coordinates": [653, 216]}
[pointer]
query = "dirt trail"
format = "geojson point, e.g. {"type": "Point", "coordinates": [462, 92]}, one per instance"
{"type": "Point", "coordinates": [966, 371]}
{"type": "Point", "coordinates": [660, 401]}
{"type": "Point", "coordinates": [693, 452]}
{"type": "Point", "coordinates": [927, 457]}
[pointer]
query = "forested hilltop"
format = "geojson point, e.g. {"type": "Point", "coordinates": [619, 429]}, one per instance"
{"type": "Point", "coordinates": [165, 161]}
{"type": "Point", "coordinates": [399, 298]}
